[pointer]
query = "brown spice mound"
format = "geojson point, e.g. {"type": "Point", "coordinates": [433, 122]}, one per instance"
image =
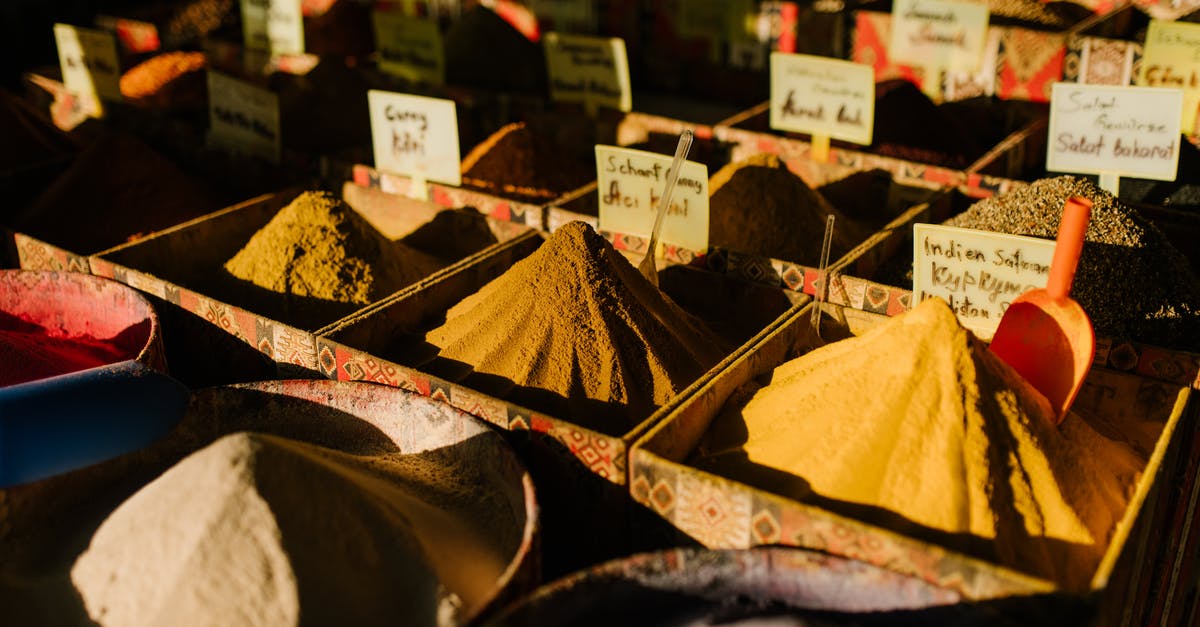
{"type": "Point", "coordinates": [759, 206]}
{"type": "Point", "coordinates": [167, 79]}
{"type": "Point", "coordinates": [326, 260]}
{"type": "Point", "coordinates": [260, 529]}
{"type": "Point", "coordinates": [28, 139]}
{"type": "Point", "coordinates": [117, 189]}
{"type": "Point", "coordinates": [485, 51]}
{"type": "Point", "coordinates": [908, 125]}
{"type": "Point", "coordinates": [579, 333]}
{"type": "Point", "coordinates": [1131, 281]}
{"type": "Point", "coordinates": [918, 421]}
{"type": "Point", "coordinates": [526, 163]}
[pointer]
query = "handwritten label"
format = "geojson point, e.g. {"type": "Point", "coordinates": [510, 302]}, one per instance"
{"type": "Point", "coordinates": [415, 136]}
{"type": "Point", "coordinates": [590, 70]}
{"type": "Point", "coordinates": [89, 64]}
{"type": "Point", "coordinates": [1129, 131]}
{"type": "Point", "coordinates": [575, 16]}
{"type": "Point", "coordinates": [1172, 59]}
{"type": "Point", "coordinates": [947, 34]}
{"type": "Point", "coordinates": [276, 26]}
{"type": "Point", "coordinates": [410, 48]}
{"type": "Point", "coordinates": [978, 272]}
{"type": "Point", "coordinates": [630, 183]}
{"type": "Point", "coordinates": [822, 96]}
{"type": "Point", "coordinates": [243, 118]}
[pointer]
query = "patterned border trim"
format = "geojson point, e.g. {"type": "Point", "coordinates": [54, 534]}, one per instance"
{"type": "Point", "coordinates": [34, 254]}
{"type": "Point", "coordinates": [723, 514]}
{"type": "Point", "coordinates": [602, 454]}
{"type": "Point", "coordinates": [280, 342]}
{"type": "Point", "coordinates": [453, 197]}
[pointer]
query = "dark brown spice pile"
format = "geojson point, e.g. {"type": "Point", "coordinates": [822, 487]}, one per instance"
{"type": "Point", "coordinates": [117, 189]}
{"type": "Point", "coordinates": [1131, 281]}
{"type": "Point", "coordinates": [484, 51]}
{"type": "Point", "coordinates": [533, 164]}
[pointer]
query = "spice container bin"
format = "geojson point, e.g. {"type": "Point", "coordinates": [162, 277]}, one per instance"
{"type": "Point", "coordinates": [730, 514]}
{"type": "Point", "coordinates": [578, 465]}
{"type": "Point", "coordinates": [45, 525]}
{"type": "Point", "coordinates": [183, 266]}
{"type": "Point", "coordinates": [687, 584]}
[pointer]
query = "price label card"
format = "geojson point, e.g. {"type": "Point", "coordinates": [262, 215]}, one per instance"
{"type": "Point", "coordinates": [276, 26]}
{"type": "Point", "coordinates": [90, 67]}
{"type": "Point", "coordinates": [590, 70]}
{"type": "Point", "coordinates": [630, 183]}
{"type": "Point", "coordinates": [576, 16]}
{"type": "Point", "coordinates": [410, 48]}
{"type": "Point", "coordinates": [822, 96]}
{"type": "Point", "coordinates": [1172, 59]}
{"type": "Point", "coordinates": [948, 34]}
{"type": "Point", "coordinates": [415, 136]}
{"type": "Point", "coordinates": [1108, 129]}
{"type": "Point", "coordinates": [978, 272]}
{"type": "Point", "coordinates": [243, 118]}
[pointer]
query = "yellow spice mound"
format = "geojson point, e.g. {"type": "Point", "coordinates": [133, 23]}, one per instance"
{"type": "Point", "coordinates": [579, 333]}
{"type": "Point", "coordinates": [918, 418]}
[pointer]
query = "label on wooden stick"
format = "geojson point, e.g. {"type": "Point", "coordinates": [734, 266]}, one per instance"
{"type": "Point", "coordinates": [630, 183]}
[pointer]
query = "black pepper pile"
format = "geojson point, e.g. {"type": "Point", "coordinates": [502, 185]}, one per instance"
{"type": "Point", "coordinates": [1131, 281]}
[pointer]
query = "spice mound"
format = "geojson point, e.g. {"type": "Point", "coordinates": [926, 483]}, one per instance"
{"type": "Point", "coordinates": [485, 51]}
{"type": "Point", "coordinates": [168, 79]}
{"type": "Point", "coordinates": [117, 189]}
{"type": "Point", "coordinates": [759, 206]}
{"type": "Point", "coordinates": [910, 126]}
{"type": "Point", "coordinates": [327, 261]}
{"type": "Point", "coordinates": [29, 352]}
{"type": "Point", "coordinates": [1131, 281]}
{"type": "Point", "coordinates": [916, 426]}
{"type": "Point", "coordinates": [525, 163]}
{"type": "Point", "coordinates": [576, 331]}
{"type": "Point", "coordinates": [264, 530]}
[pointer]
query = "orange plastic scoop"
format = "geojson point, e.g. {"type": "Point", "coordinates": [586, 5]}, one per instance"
{"type": "Point", "coordinates": [1044, 334]}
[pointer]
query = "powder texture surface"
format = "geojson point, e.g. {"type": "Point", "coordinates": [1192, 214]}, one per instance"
{"type": "Point", "coordinates": [29, 352]}
{"type": "Point", "coordinates": [326, 259]}
{"type": "Point", "coordinates": [484, 51]}
{"type": "Point", "coordinates": [915, 425]}
{"type": "Point", "coordinates": [258, 529]}
{"type": "Point", "coordinates": [527, 163]}
{"type": "Point", "coordinates": [168, 79]}
{"type": "Point", "coordinates": [759, 206]}
{"type": "Point", "coordinates": [28, 140]}
{"type": "Point", "coordinates": [910, 126]}
{"type": "Point", "coordinates": [576, 331]}
{"type": "Point", "coordinates": [1131, 281]}
{"type": "Point", "coordinates": [117, 189]}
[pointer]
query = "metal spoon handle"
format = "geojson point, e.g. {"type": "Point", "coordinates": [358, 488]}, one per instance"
{"type": "Point", "coordinates": [647, 266]}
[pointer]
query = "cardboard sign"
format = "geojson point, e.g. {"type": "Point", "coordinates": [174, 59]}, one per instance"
{"type": "Point", "coordinates": [1172, 59]}
{"type": "Point", "coordinates": [243, 118]}
{"type": "Point", "coordinates": [946, 34]}
{"type": "Point", "coordinates": [590, 70]}
{"type": "Point", "coordinates": [822, 96]}
{"type": "Point", "coordinates": [574, 16]}
{"type": "Point", "coordinates": [1109, 129]}
{"type": "Point", "coordinates": [978, 272]}
{"type": "Point", "coordinates": [415, 136]}
{"type": "Point", "coordinates": [276, 26]}
{"type": "Point", "coordinates": [90, 66]}
{"type": "Point", "coordinates": [410, 48]}
{"type": "Point", "coordinates": [630, 183]}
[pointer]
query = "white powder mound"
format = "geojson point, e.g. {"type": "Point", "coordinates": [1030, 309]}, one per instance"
{"type": "Point", "coordinates": [262, 530]}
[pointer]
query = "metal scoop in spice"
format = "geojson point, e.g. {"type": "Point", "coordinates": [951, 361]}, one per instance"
{"type": "Point", "coordinates": [1045, 335]}
{"type": "Point", "coordinates": [646, 267]}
